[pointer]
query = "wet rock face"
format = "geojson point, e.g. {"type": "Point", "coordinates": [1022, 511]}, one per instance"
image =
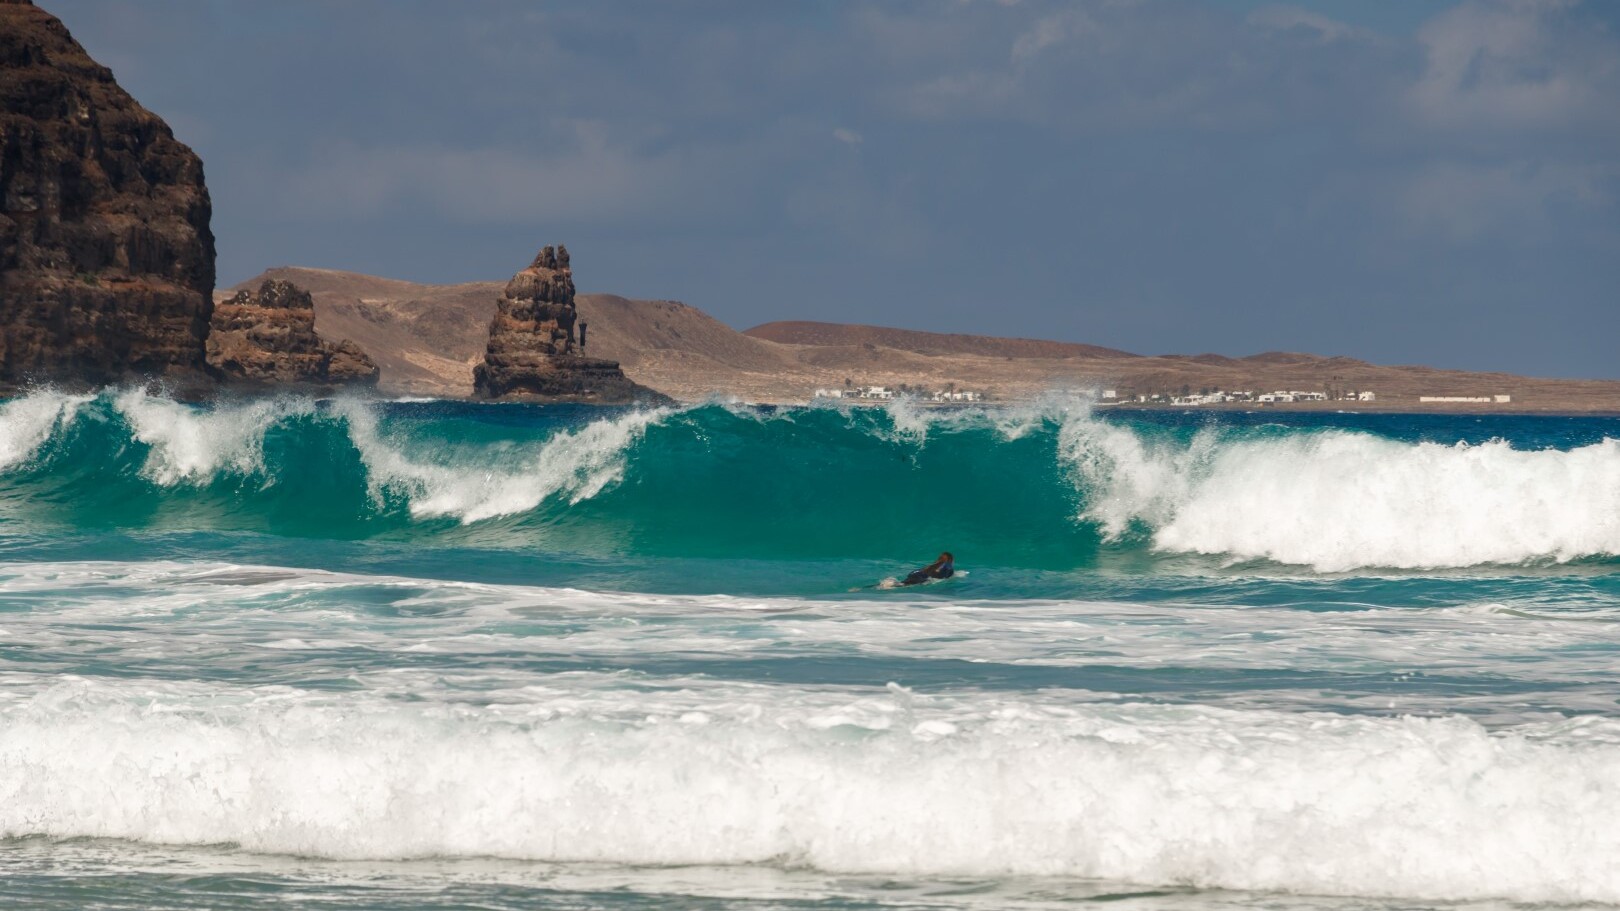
{"type": "Point", "coordinates": [267, 338]}
{"type": "Point", "coordinates": [531, 351]}
{"type": "Point", "coordinates": [106, 257]}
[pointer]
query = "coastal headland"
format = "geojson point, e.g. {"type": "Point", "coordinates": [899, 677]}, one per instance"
{"type": "Point", "coordinates": [428, 338]}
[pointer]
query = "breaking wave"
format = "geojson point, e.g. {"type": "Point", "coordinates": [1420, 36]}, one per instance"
{"type": "Point", "coordinates": [1050, 485]}
{"type": "Point", "coordinates": [573, 464]}
{"type": "Point", "coordinates": [1338, 501]}
{"type": "Point", "coordinates": [888, 782]}
{"type": "Point", "coordinates": [27, 423]}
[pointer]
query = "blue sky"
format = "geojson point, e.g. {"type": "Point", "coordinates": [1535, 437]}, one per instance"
{"type": "Point", "coordinates": [1407, 182]}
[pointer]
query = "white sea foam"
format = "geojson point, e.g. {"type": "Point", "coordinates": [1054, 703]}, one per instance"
{"type": "Point", "coordinates": [462, 756]}
{"type": "Point", "coordinates": [1551, 658]}
{"type": "Point", "coordinates": [908, 419]}
{"type": "Point", "coordinates": [192, 445]}
{"type": "Point", "coordinates": [1339, 500]}
{"type": "Point", "coordinates": [911, 420]}
{"type": "Point", "coordinates": [1018, 420]}
{"type": "Point", "coordinates": [839, 781]}
{"type": "Point", "coordinates": [27, 422]}
{"type": "Point", "coordinates": [576, 464]}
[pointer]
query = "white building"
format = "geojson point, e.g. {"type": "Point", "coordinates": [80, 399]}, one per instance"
{"type": "Point", "coordinates": [1214, 398]}
{"type": "Point", "coordinates": [1365, 397]}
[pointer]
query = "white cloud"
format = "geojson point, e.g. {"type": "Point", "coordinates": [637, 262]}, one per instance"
{"type": "Point", "coordinates": [1284, 18]}
{"type": "Point", "coordinates": [847, 136]}
{"type": "Point", "coordinates": [1048, 32]}
{"type": "Point", "coordinates": [1514, 64]}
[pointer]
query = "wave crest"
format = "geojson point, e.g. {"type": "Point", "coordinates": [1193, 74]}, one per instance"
{"type": "Point", "coordinates": [1338, 500]}
{"type": "Point", "coordinates": [889, 783]}
{"type": "Point", "coordinates": [27, 423]}
{"type": "Point", "coordinates": [1042, 485]}
{"type": "Point", "coordinates": [192, 445]}
{"type": "Point", "coordinates": [576, 464]}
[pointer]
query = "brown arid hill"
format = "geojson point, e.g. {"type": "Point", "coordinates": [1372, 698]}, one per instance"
{"type": "Point", "coordinates": [847, 335]}
{"type": "Point", "coordinates": [106, 257]}
{"type": "Point", "coordinates": [426, 338]}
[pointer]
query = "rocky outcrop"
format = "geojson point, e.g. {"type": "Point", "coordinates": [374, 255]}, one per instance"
{"type": "Point", "coordinates": [532, 352]}
{"type": "Point", "coordinates": [106, 257]}
{"type": "Point", "coordinates": [267, 338]}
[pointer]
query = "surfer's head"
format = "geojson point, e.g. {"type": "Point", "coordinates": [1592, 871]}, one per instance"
{"type": "Point", "coordinates": [945, 559]}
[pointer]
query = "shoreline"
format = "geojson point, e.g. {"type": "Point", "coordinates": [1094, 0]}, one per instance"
{"type": "Point", "coordinates": [1515, 409]}
{"type": "Point", "coordinates": [1373, 408]}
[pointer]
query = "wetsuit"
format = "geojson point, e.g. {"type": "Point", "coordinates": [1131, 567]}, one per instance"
{"type": "Point", "coordinates": [932, 571]}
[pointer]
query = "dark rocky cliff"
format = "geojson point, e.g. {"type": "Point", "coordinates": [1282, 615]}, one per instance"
{"type": "Point", "coordinates": [267, 338]}
{"type": "Point", "coordinates": [106, 257]}
{"type": "Point", "coordinates": [532, 351]}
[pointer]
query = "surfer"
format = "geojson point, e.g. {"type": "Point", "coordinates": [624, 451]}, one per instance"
{"type": "Point", "coordinates": [943, 568]}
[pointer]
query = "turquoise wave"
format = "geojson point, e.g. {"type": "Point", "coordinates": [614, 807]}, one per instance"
{"type": "Point", "coordinates": [1048, 486]}
{"type": "Point", "coordinates": [707, 481]}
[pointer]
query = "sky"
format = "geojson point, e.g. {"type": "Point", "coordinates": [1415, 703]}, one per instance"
{"type": "Point", "coordinates": [1406, 181]}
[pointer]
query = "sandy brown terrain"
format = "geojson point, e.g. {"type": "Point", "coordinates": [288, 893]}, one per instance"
{"type": "Point", "coordinates": [847, 335]}
{"type": "Point", "coordinates": [426, 339]}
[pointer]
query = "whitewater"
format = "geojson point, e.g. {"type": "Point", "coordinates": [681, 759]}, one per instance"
{"type": "Point", "coordinates": [352, 653]}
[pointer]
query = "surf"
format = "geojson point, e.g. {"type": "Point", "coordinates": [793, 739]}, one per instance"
{"type": "Point", "coordinates": [955, 784]}
{"type": "Point", "coordinates": [1051, 485]}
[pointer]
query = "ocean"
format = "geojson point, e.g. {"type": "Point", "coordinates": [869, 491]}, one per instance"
{"type": "Point", "coordinates": [350, 654]}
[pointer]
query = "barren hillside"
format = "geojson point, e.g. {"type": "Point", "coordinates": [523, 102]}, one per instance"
{"type": "Point", "coordinates": [844, 335]}
{"type": "Point", "coordinates": [426, 339]}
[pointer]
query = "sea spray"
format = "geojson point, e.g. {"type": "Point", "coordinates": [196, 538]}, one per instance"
{"type": "Point", "coordinates": [192, 445]}
{"type": "Point", "coordinates": [27, 423]}
{"type": "Point", "coordinates": [574, 464]}
{"type": "Point", "coordinates": [1126, 477]}
{"type": "Point", "coordinates": [1335, 501]}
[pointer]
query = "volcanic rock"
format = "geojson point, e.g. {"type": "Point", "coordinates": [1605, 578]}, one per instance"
{"type": "Point", "coordinates": [531, 350]}
{"type": "Point", "coordinates": [106, 257]}
{"type": "Point", "coordinates": [267, 338]}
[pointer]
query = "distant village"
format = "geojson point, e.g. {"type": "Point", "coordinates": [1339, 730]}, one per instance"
{"type": "Point", "coordinates": [1187, 398]}
{"type": "Point", "coordinates": [885, 394]}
